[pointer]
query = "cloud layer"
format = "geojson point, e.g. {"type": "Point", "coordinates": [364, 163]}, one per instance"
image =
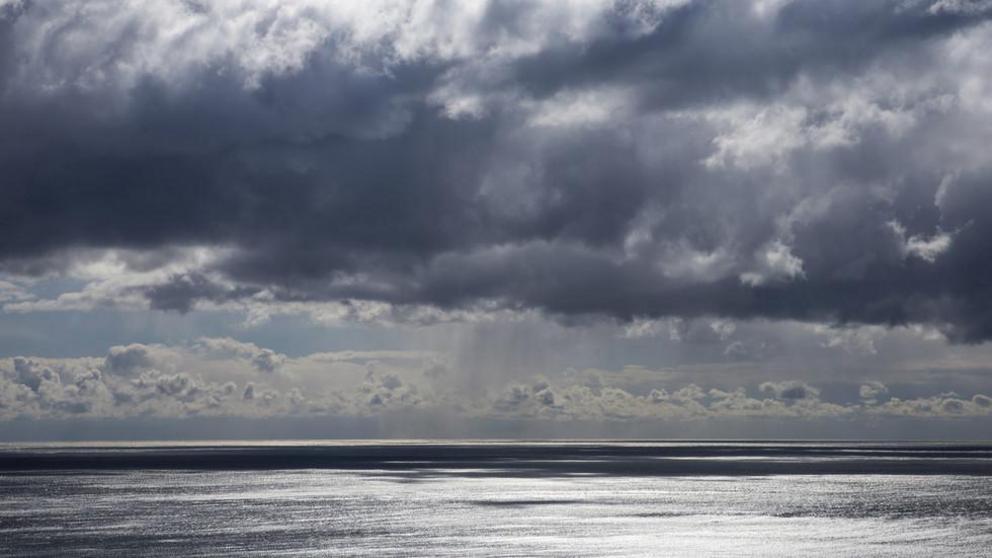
{"type": "Point", "coordinates": [222, 377]}
{"type": "Point", "coordinates": [819, 161]}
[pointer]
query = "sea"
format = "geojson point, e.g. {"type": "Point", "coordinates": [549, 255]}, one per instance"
{"type": "Point", "coordinates": [493, 498]}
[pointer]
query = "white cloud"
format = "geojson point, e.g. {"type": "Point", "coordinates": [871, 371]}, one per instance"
{"type": "Point", "coordinates": [925, 248]}
{"type": "Point", "coordinates": [774, 262]}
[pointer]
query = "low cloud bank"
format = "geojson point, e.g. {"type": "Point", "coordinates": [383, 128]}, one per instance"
{"type": "Point", "coordinates": [223, 378]}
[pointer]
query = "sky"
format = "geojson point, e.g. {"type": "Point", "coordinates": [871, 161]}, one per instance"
{"type": "Point", "coordinates": [557, 218]}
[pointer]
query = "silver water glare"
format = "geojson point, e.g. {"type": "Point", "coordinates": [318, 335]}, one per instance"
{"type": "Point", "coordinates": [582, 501]}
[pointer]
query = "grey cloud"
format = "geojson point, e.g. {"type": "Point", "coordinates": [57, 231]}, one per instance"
{"type": "Point", "coordinates": [982, 400]}
{"type": "Point", "coordinates": [268, 360]}
{"type": "Point", "coordinates": [952, 405]}
{"type": "Point", "coordinates": [944, 405]}
{"type": "Point", "coordinates": [871, 391]}
{"type": "Point", "coordinates": [32, 376]}
{"type": "Point", "coordinates": [386, 392]}
{"type": "Point", "coordinates": [180, 291]}
{"type": "Point", "coordinates": [39, 389]}
{"type": "Point", "coordinates": [708, 50]}
{"type": "Point", "coordinates": [699, 160]}
{"type": "Point", "coordinates": [262, 359]}
{"type": "Point", "coordinates": [129, 360]}
{"type": "Point", "coordinates": [789, 391]}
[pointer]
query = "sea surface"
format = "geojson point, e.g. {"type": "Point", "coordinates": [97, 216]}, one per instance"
{"type": "Point", "coordinates": [497, 499]}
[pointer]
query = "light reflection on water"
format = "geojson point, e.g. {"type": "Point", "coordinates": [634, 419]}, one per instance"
{"type": "Point", "coordinates": [378, 512]}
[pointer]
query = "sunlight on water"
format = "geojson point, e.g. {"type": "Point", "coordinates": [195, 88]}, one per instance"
{"type": "Point", "coordinates": [547, 501]}
{"type": "Point", "coordinates": [375, 513]}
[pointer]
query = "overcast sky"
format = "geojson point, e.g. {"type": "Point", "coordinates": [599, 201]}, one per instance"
{"type": "Point", "coordinates": [256, 218]}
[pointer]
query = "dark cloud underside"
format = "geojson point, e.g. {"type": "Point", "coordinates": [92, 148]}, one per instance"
{"type": "Point", "coordinates": [812, 160]}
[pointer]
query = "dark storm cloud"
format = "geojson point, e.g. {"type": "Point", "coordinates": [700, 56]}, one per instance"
{"type": "Point", "coordinates": [708, 51]}
{"type": "Point", "coordinates": [796, 160]}
{"type": "Point", "coordinates": [179, 292]}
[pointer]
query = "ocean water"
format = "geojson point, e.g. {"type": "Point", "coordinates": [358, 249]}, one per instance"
{"type": "Point", "coordinates": [492, 499]}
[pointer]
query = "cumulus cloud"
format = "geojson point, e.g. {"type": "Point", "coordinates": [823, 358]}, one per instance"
{"type": "Point", "coordinates": [944, 405]}
{"type": "Point", "coordinates": [217, 377]}
{"type": "Point", "coordinates": [406, 160]}
{"type": "Point", "coordinates": [264, 360]}
{"type": "Point", "coordinates": [871, 391]}
{"type": "Point", "coordinates": [789, 391]}
{"type": "Point", "coordinates": [129, 360]}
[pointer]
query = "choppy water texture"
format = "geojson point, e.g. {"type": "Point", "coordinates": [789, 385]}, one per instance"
{"type": "Point", "coordinates": [498, 500]}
